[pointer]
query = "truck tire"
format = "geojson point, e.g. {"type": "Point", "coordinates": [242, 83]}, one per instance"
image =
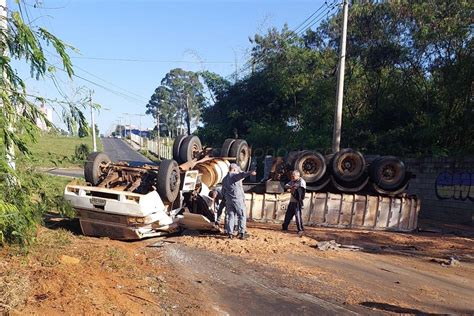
{"type": "Point", "coordinates": [226, 147]}
{"type": "Point", "coordinates": [348, 165]}
{"type": "Point", "coordinates": [178, 141]}
{"type": "Point", "coordinates": [311, 165]}
{"type": "Point", "coordinates": [93, 167]}
{"type": "Point", "coordinates": [241, 152]}
{"type": "Point", "coordinates": [388, 173]}
{"type": "Point", "coordinates": [169, 180]}
{"type": "Point", "coordinates": [190, 148]}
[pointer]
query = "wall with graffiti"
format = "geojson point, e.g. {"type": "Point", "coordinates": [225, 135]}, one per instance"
{"type": "Point", "coordinates": [446, 187]}
{"type": "Point", "coordinates": [455, 185]}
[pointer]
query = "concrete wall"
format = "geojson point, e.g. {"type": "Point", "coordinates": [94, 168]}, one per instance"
{"type": "Point", "coordinates": [445, 187]}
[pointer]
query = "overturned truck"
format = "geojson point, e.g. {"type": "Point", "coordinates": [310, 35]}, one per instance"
{"type": "Point", "coordinates": [128, 200]}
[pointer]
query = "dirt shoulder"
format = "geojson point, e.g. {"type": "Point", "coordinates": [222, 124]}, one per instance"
{"type": "Point", "coordinates": [271, 272]}
{"type": "Point", "coordinates": [402, 273]}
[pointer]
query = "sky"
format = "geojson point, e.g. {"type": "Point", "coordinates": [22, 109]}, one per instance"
{"type": "Point", "coordinates": [125, 48]}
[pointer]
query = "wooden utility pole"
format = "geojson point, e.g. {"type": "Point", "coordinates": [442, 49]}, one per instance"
{"type": "Point", "coordinates": [336, 137]}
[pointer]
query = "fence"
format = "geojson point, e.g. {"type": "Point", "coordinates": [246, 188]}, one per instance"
{"type": "Point", "coordinates": [162, 148]}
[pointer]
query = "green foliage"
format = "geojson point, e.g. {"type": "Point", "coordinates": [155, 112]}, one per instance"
{"type": "Point", "coordinates": [81, 152]}
{"type": "Point", "coordinates": [178, 101]}
{"type": "Point", "coordinates": [24, 195]}
{"type": "Point", "coordinates": [24, 201]}
{"type": "Point", "coordinates": [52, 150]}
{"type": "Point", "coordinates": [408, 84]}
{"type": "Point", "coordinates": [84, 131]}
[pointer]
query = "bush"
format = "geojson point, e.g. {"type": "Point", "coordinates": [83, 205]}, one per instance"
{"type": "Point", "coordinates": [81, 152]}
{"type": "Point", "coordinates": [25, 196]}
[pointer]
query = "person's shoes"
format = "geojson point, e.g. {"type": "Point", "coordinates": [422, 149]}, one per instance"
{"type": "Point", "coordinates": [242, 236]}
{"type": "Point", "coordinates": [301, 233]}
{"type": "Point", "coordinates": [284, 229]}
{"type": "Point", "coordinates": [230, 236]}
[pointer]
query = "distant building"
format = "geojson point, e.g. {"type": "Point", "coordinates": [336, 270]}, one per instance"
{"type": "Point", "coordinates": [48, 113]}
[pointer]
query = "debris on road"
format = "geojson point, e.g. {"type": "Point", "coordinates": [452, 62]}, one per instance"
{"type": "Point", "coordinates": [333, 245]}
{"type": "Point", "coordinates": [451, 262]}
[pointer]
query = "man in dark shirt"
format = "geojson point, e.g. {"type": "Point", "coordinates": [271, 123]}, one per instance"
{"type": "Point", "coordinates": [297, 188]}
{"type": "Point", "coordinates": [233, 194]}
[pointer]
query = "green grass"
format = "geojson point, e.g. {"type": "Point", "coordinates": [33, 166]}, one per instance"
{"type": "Point", "coordinates": [57, 151]}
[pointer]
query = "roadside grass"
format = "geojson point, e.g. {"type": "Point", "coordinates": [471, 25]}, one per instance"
{"type": "Point", "coordinates": [14, 288]}
{"type": "Point", "coordinates": [149, 155]}
{"type": "Point", "coordinates": [57, 151]}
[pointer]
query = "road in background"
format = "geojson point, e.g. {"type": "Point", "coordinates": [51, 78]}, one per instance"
{"type": "Point", "coordinates": [118, 150]}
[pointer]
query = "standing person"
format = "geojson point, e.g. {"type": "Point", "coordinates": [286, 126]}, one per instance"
{"type": "Point", "coordinates": [233, 194]}
{"type": "Point", "coordinates": [297, 187]}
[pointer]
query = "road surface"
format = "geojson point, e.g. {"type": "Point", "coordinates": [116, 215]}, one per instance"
{"type": "Point", "coordinates": [119, 150]}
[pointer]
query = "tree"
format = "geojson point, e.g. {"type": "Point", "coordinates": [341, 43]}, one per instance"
{"type": "Point", "coordinates": [178, 101]}
{"type": "Point", "coordinates": [23, 197]}
{"type": "Point", "coordinates": [408, 88]}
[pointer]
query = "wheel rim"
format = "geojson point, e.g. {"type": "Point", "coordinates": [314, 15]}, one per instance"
{"type": "Point", "coordinates": [390, 173]}
{"type": "Point", "coordinates": [310, 166]}
{"type": "Point", "coordinates": [195, 149]}
{"type": "Point", "coordinates": [173, 180]}
{"type": "Point", "coordinates": [243, 157]}
{"type": "Point", "coordinates": [349, 164]}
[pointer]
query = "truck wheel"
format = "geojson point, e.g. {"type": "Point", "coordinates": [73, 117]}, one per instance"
{"type": "Point", "coordinates": [388, 172]}
{"type": "Point", "coordinates": [93, 168]}
{"type": "Point", "coordinates": [348, 165]}
{"type": "Point", "coordinates": [226, 147]}
{"type": "Point", "coordinates": [241, 151]}
{"type": "Point", "coordinates": [169, 180]}
{"type": "Point", "coordinates": [178, 141]}
{"type": "Point", "coordinates": [190, 148]}
{"type": "Point", "coordinates": [311, 165]}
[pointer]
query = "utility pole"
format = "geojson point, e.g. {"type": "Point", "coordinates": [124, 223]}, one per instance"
{"type": "Point", "coordinates": [10, 147]}
{"type": "Point", "coordinates": [336, 136]}
{"type": "Point", "coordinates": [94, 141]}
{"type": "Point", "coordinates": [140, 128]}
{"type": "Point", "coordinates": [129, 126]}
{"type": "Point", "coordinates": [120, 125]}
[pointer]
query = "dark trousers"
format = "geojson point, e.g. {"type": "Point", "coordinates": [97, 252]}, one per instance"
{"type": "Point", "coordinates": [293, 210]}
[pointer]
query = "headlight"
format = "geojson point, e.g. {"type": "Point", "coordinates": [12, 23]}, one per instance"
{"type": "Point", "coordinates": [136, 220]}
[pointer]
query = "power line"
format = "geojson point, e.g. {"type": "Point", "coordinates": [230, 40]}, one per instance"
{"type": "Point", "coordinates": [309, 17]}
{"type": "Point", "coordinates": [118, 93]}
{"type": "Point", "coordinates": [307, 25]}
{"type": "Point", "coordinates": [110, 83]}
{"type": "Point", "coordinates": [151, 60]}
{"type": "Point", "coordinates": [330, 10]}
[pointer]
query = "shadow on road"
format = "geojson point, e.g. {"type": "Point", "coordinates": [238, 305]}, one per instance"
{"type": "Point", "coordinates": [395, 309]}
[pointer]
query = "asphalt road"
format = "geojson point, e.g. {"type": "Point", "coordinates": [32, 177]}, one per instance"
{"type": "Point", "coordinates": [118, 150]}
